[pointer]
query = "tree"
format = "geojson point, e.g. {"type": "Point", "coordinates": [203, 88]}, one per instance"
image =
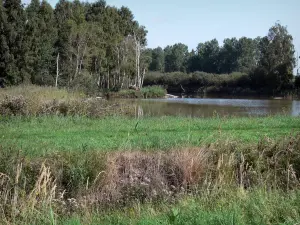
{"type": "Point", "coordinates": [247, 54]}
{"type": "Point", "coordinates": [63, 13]}
{"type": "Point", "coordinates": [139, 37]}
{"type": "Point", "coordinates": [176, 57]}
{"type": "Point", "coordinates": [193, 63]}
{"type": "Point", "coordinates": [13, 42]}
{"type": "Point", "coordinates": [76, 44]}
{"type": "Point", "coordinates": [158, 60]}
{"type": "Point", "coordinates": [228, 56]}
{"type": "Point", "coordinates": [208, 53]}
{"type": "Point", "coordinates": [277, 57]}
{"type": "Point", "coordinates": [42, 35]}
{"type": "Point", "coordinates": [32, 37]}
{"type": "Point", "coordinates": [4, 50]}
{"type": "Point", "coordinates": [126, 22]}
{"type": "Point", "coordinates": [79, 37]}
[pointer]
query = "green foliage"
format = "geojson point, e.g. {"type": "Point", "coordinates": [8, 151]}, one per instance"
{"type": "Point", "coordinates": [153, 92]}
{"type": "Point", "coordinates": [176, 57]}
{"type": "Point", "coordinates": [248, 52]}
{"type": "Point", "coordinates": [200, 82]}
{"type": "Point", "coordinates": [127, 93]}
{"type": "Point", "coordinates": [145, 92]}
{"type": "Point", "coordinates": [13, 43]}
{"type": "Point", "coordinates": [158, 60]}
{"type": "Point", "coordinates": [75, 40]}
{"type": "Point", "coordinates": [41, 37]}
{"type": "Point", "coordinates": [229, 56]}
{"type": "Point", "coordinates": [208, 53]}
{"type": "Point", "coordinates": [277, 58]}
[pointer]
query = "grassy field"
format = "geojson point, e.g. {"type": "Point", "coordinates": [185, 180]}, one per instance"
{"type": "Point", "coordinates": [240, 207]}
{"type": "Point", "coordinates": [45, 134]}
{"type": "Point", "coordinates": [256, 207]}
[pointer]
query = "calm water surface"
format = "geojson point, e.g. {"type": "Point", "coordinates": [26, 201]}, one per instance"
{"type": "Point", "coordinates": [207, 107]}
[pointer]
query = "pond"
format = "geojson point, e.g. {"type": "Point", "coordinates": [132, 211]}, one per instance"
{"type": "Point", "coordinates": [208, 107]}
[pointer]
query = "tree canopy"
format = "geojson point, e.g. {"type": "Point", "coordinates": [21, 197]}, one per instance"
{"type": "Point", "coordinates": [76, 43]}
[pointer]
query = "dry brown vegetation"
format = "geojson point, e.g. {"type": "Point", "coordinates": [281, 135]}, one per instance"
{"type": "Point", "coordinates": [35, 101]}
{"type": "Point", "coordinates": [136, 175]}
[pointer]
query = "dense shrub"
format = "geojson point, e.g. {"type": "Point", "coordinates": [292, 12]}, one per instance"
{"type": "Point", "coordinates": [198, 81]}
{"type": "Point", "coordinates": [145, 92]}
{"type": "Point", "coordinates": [13, 105]}
{"type": "Point", "coordinates": [153, 92]}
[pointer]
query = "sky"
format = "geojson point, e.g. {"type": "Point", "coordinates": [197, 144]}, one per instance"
{"type": "Point", "coordinates": [194, 21]}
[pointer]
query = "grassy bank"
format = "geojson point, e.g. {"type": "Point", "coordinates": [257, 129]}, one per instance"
{"type": "Point", "coordinates": [44, 134]}
{"type": "Point", "coordinates": [238, 207]}
{"type": "Point", "coordinates": [226, 182]}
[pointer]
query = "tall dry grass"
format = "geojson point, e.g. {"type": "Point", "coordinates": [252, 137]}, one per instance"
{"type": "Point", "coordinates": [40, 93]}
{"type": "Point", "coordinates": [65, 183]}
{"type": "Point", "coordinates": [153, 176]}
{"type": "Point", "coordinates": [34, 100]}
{"type": "Point", "coordinates": [19, 203]}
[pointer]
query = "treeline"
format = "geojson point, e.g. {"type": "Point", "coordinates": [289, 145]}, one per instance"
{"type": "Point", "coordinates": [95, 46]}
{"type": "Point", "coordinates": [264, 63]}
{"type": "Point", "coordinates": [75, 44]}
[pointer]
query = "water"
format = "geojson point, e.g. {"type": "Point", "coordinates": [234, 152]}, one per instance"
{"type": "Point", "coordinates": [208, 107]}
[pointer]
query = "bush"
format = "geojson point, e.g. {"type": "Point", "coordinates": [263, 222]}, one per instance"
{"type": "Point", "coordinates": [153, 92]}
{"type": "Point", "coordinates": [145, 92]}
{"type": "Point", "coordinates": [13, 105]}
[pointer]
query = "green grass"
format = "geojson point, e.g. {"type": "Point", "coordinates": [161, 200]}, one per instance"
{"type": "Point", "coordinates": [227, 207]}
{"type": "Point", "coordinates": [37, 135]}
